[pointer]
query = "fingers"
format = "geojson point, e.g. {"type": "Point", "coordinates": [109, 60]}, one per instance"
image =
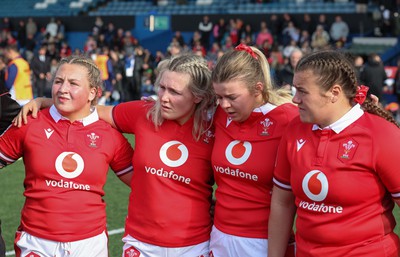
{"type": "Point", "coordinates": [374, 99]}
{"type": "Point", "coordinates": [22, 117]}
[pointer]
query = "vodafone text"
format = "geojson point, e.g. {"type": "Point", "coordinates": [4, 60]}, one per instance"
{"type": "Point", "coordinates": [167, 174]}
{"type": "Point", "coordinates": [320, 207]}
{"type": "Point", "coordinates": [235, 173]}
{"type": "Point", "coordinates": [67, 184]}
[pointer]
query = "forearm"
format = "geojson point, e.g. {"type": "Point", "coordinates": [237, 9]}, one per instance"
{"type": "Point", "coordinates": [280, 223]}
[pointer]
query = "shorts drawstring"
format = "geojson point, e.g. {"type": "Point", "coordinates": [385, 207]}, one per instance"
{"type": "Point", "coordinates": [66, 247]}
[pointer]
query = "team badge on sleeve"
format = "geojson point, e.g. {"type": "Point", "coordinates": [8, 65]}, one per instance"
{"type": "Point", "coordinates": [347, 149]}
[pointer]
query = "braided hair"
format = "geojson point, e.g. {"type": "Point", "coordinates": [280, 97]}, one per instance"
{"type": "Point", "coordinates": [334, 67]}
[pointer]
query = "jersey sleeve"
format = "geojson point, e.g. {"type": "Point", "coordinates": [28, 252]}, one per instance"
{"type": "Point", "coordinates": [281, 177]}
{"type": "Point", "coordinates": [388, 153]}
{"type": "Point", "coordinates": [11, 144]}
{"type": "Point", "coordinates": [121, 163]}
{"type": "Point", "coordinates": [125, 115]}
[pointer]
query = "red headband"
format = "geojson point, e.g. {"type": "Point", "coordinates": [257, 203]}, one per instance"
{"type": "Point", "coordinates": [243, 47]}
{"type": "Point", "coordinates": [361, 94]}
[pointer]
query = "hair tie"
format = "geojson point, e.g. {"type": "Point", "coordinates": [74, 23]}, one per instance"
{"type": "Point", "coordinates": [361, 94]}
{"type": "Point", "coordinates": [243, 47]}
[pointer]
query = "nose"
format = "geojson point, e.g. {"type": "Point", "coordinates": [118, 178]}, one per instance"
{"type": "Point", "coordinates": [63, 87]}
{"type": "Point", "coordinates": [163, 95]}
{"type": "Point", "coordinates": [224, 103]}
{"type": "Point", "coordinates": [296, 98]}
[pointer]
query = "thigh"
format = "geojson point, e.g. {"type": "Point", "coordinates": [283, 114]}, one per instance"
{"type": "Point", "coordinates": [27, 245]}
{"type": "Point", "coordinates": [96, 246]}
{"type": "Point", "coordinates": [134, 247]}
{"type": "Point", "coordinates": [225, 245]}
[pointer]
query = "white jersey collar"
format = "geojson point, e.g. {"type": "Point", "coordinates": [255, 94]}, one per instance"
{"type": "Point", "coordinates": [266, 108]}
{"type": "Point", "coordinates": [346, 120]}
{"type": "Point", "coordinates": [91, 118]}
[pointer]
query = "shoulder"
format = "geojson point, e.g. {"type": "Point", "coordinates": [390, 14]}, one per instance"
{"type": "Point", "coordinates": [287, 111]}
{"type": "Point", "coordinates": [133, 106]}
{"type": "Point", "coordinates": [378, 126]}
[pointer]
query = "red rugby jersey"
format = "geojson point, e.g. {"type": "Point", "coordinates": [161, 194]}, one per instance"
{"type": "Point", "coordinates": [66, 167]}
{"type": "Point", "coordinates": [243, 159]}
{"type": "Point", "coordinates": [172, 183]}
{"type": "Point", "coordinates": [343, 179]}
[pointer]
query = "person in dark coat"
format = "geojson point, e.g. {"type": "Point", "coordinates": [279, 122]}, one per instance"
{"type": "Point", "coordinates": [374, 75]}
{"type": "Point", "coordinates": [40, 66]}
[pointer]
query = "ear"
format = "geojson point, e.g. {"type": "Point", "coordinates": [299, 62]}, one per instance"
{"type": "Point", "coordinates": [92, 94]}
{"type": "Point", "coordinates": [197, 100]}
{"type": "Point", "coordinates": [259, 88]}
{"type": "Point", "coordinates": [336, 91]}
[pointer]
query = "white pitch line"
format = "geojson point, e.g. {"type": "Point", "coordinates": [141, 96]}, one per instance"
{"type": "Point", "coordinates": [110, 233]}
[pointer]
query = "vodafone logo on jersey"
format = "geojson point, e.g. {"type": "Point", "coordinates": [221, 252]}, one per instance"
{"type": "Point", "coordinates": [69, 164]}
{"type": "Point", "coordinates": [237, 152]}
{"type": "Point", "coordinates": [174, 153]}
{"type": "Point", "coordinates": [315, 185]}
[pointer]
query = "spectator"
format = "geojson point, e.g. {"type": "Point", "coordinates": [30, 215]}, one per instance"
{"type": "Point", "coordinates": [40, 66]}
{"type": "Point", "coordinates": [18, 76]}
{"type": "Point", "coordinates": [322, 21]}
{"type": "Point", "coordinates": [104, 64]}
{"type": "Point", "coordinates": [21, 36]}
{"type": "Point", "coordinates": [52, 28]}
{"type": "Point", "coordinates": [339, 30]}
{"type": "Point", "coordinates": [179, 38]}
{"type": "Point", "coordinates": [264, 35]}
{"type": "Point", "coordinates": [307, 24]}
{"type": "Point", "coordinates": [31, 27]}
{"type": "Point", "coordinates": [284, 77]}
{"type": "Point", "coordinates": [219, 30]}
{"type": "Point", "coordinates": [320, 39]}
{"type": "Point", "coordinates": [205, 27]}
{"type": "Point", "coordinates": [374, 75]}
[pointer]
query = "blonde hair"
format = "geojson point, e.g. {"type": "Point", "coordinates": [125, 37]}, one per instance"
{"type": "Point", "coordinates": [242, 65]}
{"type": "Point", "coordinates": [93, 72]}
{"type": "Point", "coordinates": [199, 85]}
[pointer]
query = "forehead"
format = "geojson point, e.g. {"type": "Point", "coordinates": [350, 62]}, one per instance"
{"type": "Point", "coordinates": [304, 79]}
{"type": "Point", "coordinates": [73, 71]}
{"type": "Point", "coordinates": [230, 87]}
{"type": "Point", "coordinates": [175, 80]}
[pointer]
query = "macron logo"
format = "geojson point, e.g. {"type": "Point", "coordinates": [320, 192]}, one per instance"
{"type": "Point", "coordinates": [300, 144]}
{"type": "Point", "coordinates": [48, 132]}
{"type": "Point", "coordinates": [228, 121]}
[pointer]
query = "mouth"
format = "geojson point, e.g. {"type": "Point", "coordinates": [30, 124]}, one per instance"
{"type": "Point", "coordinates": [165, 108]}
{"type": "Point", "coordinates": [62, 99]}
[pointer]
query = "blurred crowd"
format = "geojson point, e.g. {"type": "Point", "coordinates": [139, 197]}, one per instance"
{"type": "Point", "coordinates": [129, 69]}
